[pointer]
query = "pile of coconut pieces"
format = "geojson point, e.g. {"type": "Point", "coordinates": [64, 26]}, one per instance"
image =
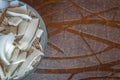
{"type": "Point", "coordinates": [20, 35]}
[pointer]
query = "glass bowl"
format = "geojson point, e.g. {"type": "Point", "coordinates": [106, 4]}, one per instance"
{"type": "Point", "coordinates": [44, 37]}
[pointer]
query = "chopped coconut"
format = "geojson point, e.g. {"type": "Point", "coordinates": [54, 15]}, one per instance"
{"type": "Point", "coordinates": [29, 34]}
{"type": "Point", "coordinates": [24, 16]}
{"type": "Point", "coordinates": [14, 3]}
{"type": "Point", "coordinates": [20, 48]}
{"type": "Point", "coordinates": [21, 10]}
{"type": "Point", "coordinates": [22, 27]}
{"type": "Point", "coordinates": [14, 21]}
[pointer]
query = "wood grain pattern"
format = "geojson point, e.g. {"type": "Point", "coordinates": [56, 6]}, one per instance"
{"type": "Point", "coordinates": [84, 39]}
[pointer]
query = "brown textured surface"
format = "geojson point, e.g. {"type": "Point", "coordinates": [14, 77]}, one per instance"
{"type": "Point", "coordinates": [84, 39]}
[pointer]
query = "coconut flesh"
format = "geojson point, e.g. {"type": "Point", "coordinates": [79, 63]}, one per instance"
{"type": "Point", "coordinates": [19, 41]}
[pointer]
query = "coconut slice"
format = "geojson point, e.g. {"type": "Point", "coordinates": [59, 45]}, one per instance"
{"type": "Point", "coordinates": [21, 11]}
{"type": "Point", "coordinates": [14, 3]}
{"type": "Point", "coordinates": [29, 34]}
{"type": "Point", "coordinates": [9, 47]}
{"type": "Point", "coordinates": [21, 58]}
{"type": "Point", "coordinates": [9, 52]}
{"type": "Point", "coordinates": [6, 47]}
{"type": "Point", "coordinates": [17, 77]}
{"type": "Point", "coordinates": [15, 55]}
{"type": "Point", "coordinates": [27, 64]}
{"type": "Point", "coordinates": [24, 16]}
{"type": "Point", "coordinates": [39, 33]}
{"type": "Point", "coordinates": [12, 68]}
{"type": "Point", "coordinates": [30, 68]}
{"type": "Point", "coordinates": [3, 40]}
{"type": "Point", "coordinates": [22, 27]}
{"type": "Point", "coordinates": [14, 21]}
{"type": "Point", "coordinates": [30, 44]}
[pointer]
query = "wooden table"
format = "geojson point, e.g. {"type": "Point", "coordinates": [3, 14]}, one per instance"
{"type": "Point", "coordinates": [84, 39]}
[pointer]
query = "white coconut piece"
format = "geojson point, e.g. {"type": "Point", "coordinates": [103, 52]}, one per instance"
{"type": "Point", "coordinates": [17, 77]}
{"type": "Point", "coordinates": [21, 58]}
{"type": "Point", "coordinates": [15, 55]}
{"type": "Point", "coordinates": [27, 64]}
{"type": "Point", "coordinates": [9, 47]}
{"type": "Point", "coordinates": [21, 9]}
{"type": "Point", "coordinates": [41, 47]}
{"type": "Point", "coordinates": [37, 51]}
{"type": "Point", "coordinates": [3, 48]}
{"type": "Point", "coordinates": [14, 21]}
{"type": "Point", "coordinates": [9, 52]}
{"type": "Point", "coordinates": [30, 44]}
{"type": "Point", "coordinates": [39, 33]}
{"type": "Point", "coordinates": [22, 27]}
{"type": "Point", "coordinates": [8, 43]}
{"type": "Point", "coordinates": [30, 68]}
{"type": "Point", "coordinates": [29, 34]}
{"type": "Point", "coordinates": [24, 16]}
{"type": "Point", "coordinates": [11, 69]}
{"type": "Point", "coordinates": [14, 3]}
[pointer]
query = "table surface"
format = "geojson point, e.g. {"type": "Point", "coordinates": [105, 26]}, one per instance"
{"type": "Point", "coordinates": [84, 39]}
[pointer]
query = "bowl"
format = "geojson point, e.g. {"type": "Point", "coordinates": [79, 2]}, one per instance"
{"type": "Point", "coordinates": [43, 41]}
